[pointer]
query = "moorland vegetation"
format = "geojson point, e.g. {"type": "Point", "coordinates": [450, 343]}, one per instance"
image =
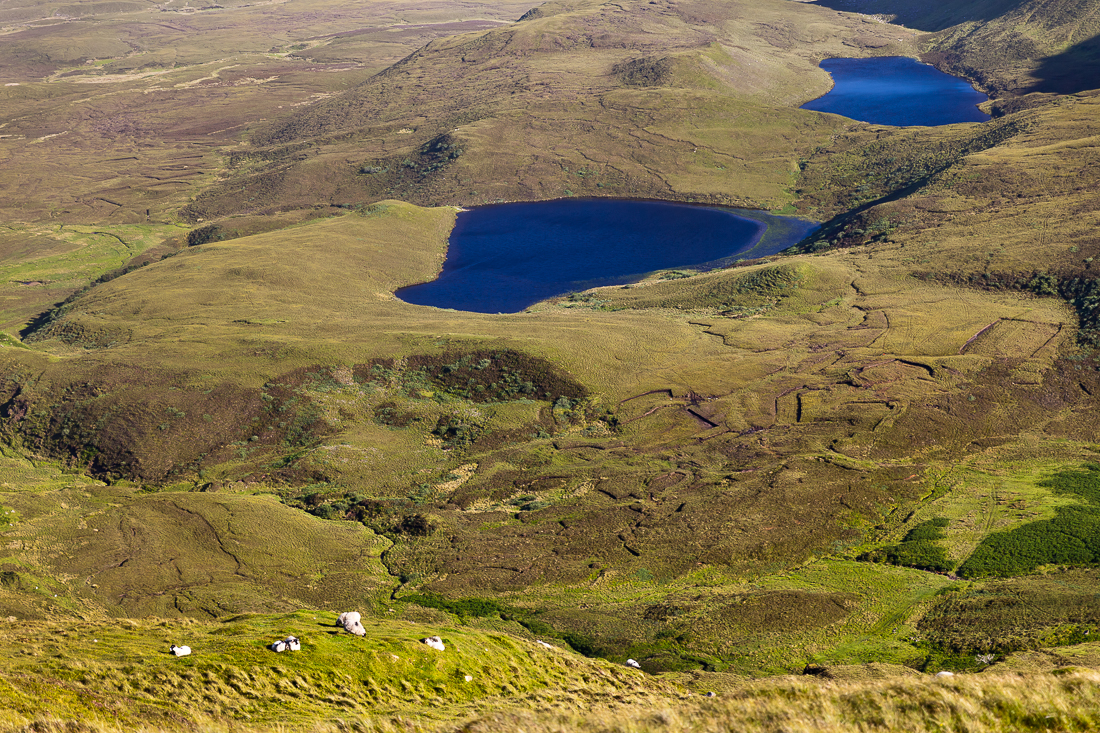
{"type": "Point", "coordinates": [804, 483]}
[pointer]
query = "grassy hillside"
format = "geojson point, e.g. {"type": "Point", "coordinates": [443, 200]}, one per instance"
{"type": "Point", "coordinates": [220, 426]}
{"type": "Point", "coordinates": [853, 383]}
{"type": "Point", "coordinates": [1009, 47]}
{"type": "Point", "coordinates": [678, 101]}
{"type": "Point", "coordinates": [114, 114]}
{"type": "Point", "coordinates": [121, 675]}
{"type": "Point", "coordinates": [118, 676]}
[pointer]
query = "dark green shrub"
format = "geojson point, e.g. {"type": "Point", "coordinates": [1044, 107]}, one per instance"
{"type": "Point", "coordinates": [416, 525]}
{"type": "Point", "coordinates": [922, 554]}
{"type": "Point", "coordinates": [464, 608]}
{"type": "Point", "coordinates": [584, 645]}
{"type": "Point", "coordinates": [918, 549]}
{"type": "Point", "coordinates": [931, 530]}
{"type": "Point", "coordinates": [202, 235]}
{"type": "Point", "coordinates": [1071, 538]}
{"type": "Point", "coordinates": [491, 376]}
{"type": "Point", "coordinates": [456, 432]}
{"type": "Point", "coordinates": [1084, 483]}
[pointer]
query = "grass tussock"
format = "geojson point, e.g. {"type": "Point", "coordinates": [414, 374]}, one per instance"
{"type": "Point", "coordinates": [1066, 700]}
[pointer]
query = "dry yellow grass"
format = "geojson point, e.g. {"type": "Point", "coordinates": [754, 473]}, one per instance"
{"type": "Point", "coordinates": [1067, 700]}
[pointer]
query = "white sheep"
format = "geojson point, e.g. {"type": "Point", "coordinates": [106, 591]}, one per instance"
{"type": "Point", "coordinates": [180, 651]}
{"type": "Point", "coordinates": [542, 643]}
{"type": "Point", "coordinates": [278, 646]}
{"type": "Point", "coordinates": [348, 617]}
{"type": "Point", "coordinates": [633, 663]}
{"type": "Point", "coordinates": [293, 644]}
{"type": "Point", "coordinates": [434, 642]}
{"type": "Point", "coordinates": [944, 673]}
{"type": "Point", "coordinates": [350, 620]}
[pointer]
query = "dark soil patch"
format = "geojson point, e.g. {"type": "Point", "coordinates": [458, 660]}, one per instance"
{"type": "Point", "coordinates": [151, 425]}
{"type": "Point", "coordinates": [1020, 613]}
{"type": "Point", "coordinates": [497, 376]}
{"type": "Point", "coordinates": [778, 611]}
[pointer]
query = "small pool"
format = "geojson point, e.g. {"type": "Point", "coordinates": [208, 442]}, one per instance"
{"type": "Point", "coordinates": [506, 257]}
{"type": "Point", "coordinates": [898, 91]}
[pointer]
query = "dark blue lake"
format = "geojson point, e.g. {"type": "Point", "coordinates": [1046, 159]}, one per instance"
{"type": "Point", "coordinates": [898, 91]}
{"type": "Point", "coordinates": [506, 257]}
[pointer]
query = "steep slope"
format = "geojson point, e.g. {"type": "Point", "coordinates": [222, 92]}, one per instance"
{"type": "Point", "coordinates": [711, 471]}
{"type": "Point", "coordinates": [726, 426]}
{"type": "Point", "coordinates": [1010, 47]}
{"type": "Point", "coordinates": [672, 100]}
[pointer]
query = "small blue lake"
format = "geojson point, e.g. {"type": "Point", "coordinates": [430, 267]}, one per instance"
{"type": "Point", "coordinates": [898, 91]}
{"type": "Point", "coordinates": [506, 257]}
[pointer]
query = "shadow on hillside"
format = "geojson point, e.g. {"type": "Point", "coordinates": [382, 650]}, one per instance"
{"type": "Point", "coordinates": [1077, 69]}
{"type": "Point", "coordinates": [929, 17]}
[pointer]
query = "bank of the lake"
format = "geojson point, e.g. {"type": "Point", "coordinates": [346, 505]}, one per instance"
{"type": "Point", "coordinates": [504, 258]}
{"type": "Point", "coordinates": [898, 91]}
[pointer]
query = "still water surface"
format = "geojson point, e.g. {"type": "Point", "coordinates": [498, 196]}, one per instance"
{"type": "Point", "coordinates": [506, 257]}
{"type": "Point", "coordinates": [899, 91]}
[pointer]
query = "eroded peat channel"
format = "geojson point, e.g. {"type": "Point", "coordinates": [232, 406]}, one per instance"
{"type": "Point", "coordinates": [506, 257]}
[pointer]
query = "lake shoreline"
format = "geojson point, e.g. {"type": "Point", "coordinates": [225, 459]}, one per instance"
{"type": "Point", "coordinates": [656, 235]}
{"type": "Point", "coordinates": [899, 91]}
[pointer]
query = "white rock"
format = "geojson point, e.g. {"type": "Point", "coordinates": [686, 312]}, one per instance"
{"type": "Point", "coordinates": [180, 651]}
{"type": "Point", "coordinates": [945, 673]}
{"type": "Point", "coordinates": [434, 642]}
{"type": "Point", "coordinates": [542, 643]}
{"type": "Point", "coordinates": [469, 678]}
{"type": "Point", "coordinates": [633, 663]}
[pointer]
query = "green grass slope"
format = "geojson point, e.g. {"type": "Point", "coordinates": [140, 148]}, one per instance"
{"type": "Point", "coordinates": [770, 415]}
{"type": "Point", "coordinates": [121, 675]}
{"type": "Point", "coordinates": [113, 115]}
{"type": "Point", "coordinates": [197, 554]}
{"type": "Point", "coordinates": [785, 465]}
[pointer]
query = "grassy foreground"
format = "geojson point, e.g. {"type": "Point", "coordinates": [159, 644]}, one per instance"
{"type": "Point", "coordinates": [1066, 700]}
{"type": "Point", "coordinates": [120, 674]}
